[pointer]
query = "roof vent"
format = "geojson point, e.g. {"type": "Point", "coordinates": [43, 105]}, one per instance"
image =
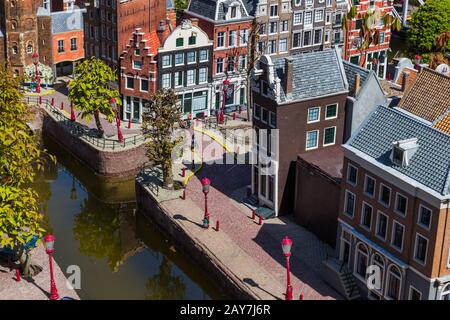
{"type": "Point", "coordinates": [403, 151]}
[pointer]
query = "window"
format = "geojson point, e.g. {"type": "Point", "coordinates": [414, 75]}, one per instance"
{"type": "Point", "coordinates": [231, 64]}
{"type": "Point", "coordinates": [331, 111]}
{"type": "Point", "coordinates": [244, 37]}
{"type": "Point", "coordinates": [283, 45]}
{"type": "Point", "coordinates": [242, 62]}
{"type": "Point", "coordinates": [144, 85]}
{"type": "Point", "coordinates": [257, 113]}
{"type": "Point", "coordinates": [273, 27]}
{"type": "Point", "coordinates": [60, 45]}
{"type": "Point", "coordinates": [445, 295]}
{"type": "Point", "coordinates": [308, 17]}
{"type": "Point", "coordinates": [385, 195]}
{"type": "Point", "coordinates": [192, 40]}
{"type": "Point", "coordinates": [219, 65]}
{"type": "Point", "coordinates": [362, 257]}
{"type": "Point", "coordinates": [328, 17]}
{"type": "Point", "coordinates": [191, 57]}
{"type": "Point", "coordinates": [232, 39]}
{"type": "Point", "coordinates": [130, 83]}
{"type": "Point", "coordinates": [179, 59]}
{"type": "Point", "coordinates": [312, 138]}
{"type": "Point", "coordinates": [220, 39]}
{"type": "Point", "coordinates": [203, 55]}
{"type": "Point", "coordinates": [298, 18]}
{"type": "Point", "coordinates": [30, 48]}
{"type": "Point", "coordinates": [137, 52]}
{"type": "Point", "coordinates": [349, 207]}
{"type": "Point", "coordinates": [313, 114]}
{"type": "Point", "coordinates": [401, 204]}
{"type": "Point", "coordinates": [179, 42]}
{"type": "Point", "coordinates": [73, 44]}
{"type": "Point", "coordinates": [397, 235]}
{"type": "Point", "coordinates": [369, 186]}
{"type": "Point", "coordinates": [378, 260]}
{"type": "Point", "coordinates": [358, 24]}
{"type": "Point", "coordinates": [297, 40]}
{"type": "Point", "coordinates": [329, 137]}
{"type": "Point", "coordinates": [179, 79]}
{"type": "Point", "coordinates": [284, 25]}
{"type": "Point", "coordinates": [167, 61]}
{"type": "Point", "coordinates": [203, 75]}
{"type": "Point", "coordinates": [352, 174]}
{"type": "Point", "coordinates": [382, 221]}
{"type": "Point", "coordinates": [233, 12]}
{"type": "Point", "coordinates": [318, 36]}
{"type": "Point", "coordinates": [366, 216]}
{"type": "Point", "coordinates": [307, 39]}
{"type": "Point", "coordinates": [394, 283]}
{"type": "Point", "coordinates": [137, 65]}
{"type": "Point", "coordinates": [414, 294]}
{"type": "Point", "coordinates": [421, 247]}
{"type": "Point", "coordinates": [262, 29]}
{"type": "Point", "coordinates": [272, 47]}
{"type": "Point", "coordinates": [190, 79]}
{"type": "Point", "coordinates": [319, 15]}
{"type": "Point", "coordinates": [273, 119]}
{"type": "Point", "coordinates": [382, 37]}
{"type": "Point", "coordinates": [265, 115]}
{"type": "Point", "coordinates": [424, 218]}
{"type": "Point", "coordinates": [166, 80]}
{"type": "Point", "coordinates": [274, 10]}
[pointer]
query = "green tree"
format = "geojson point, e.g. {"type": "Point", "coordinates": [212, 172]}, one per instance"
{"type": "Point", "coordinates": [165, 286]}
{"type": "Point", "coordinates": [180, 6]}
{"type": "Point", "coordinates": [20, 158]}
{"type": "Point", "coordinates": [158, 127]}
{"type": "Point", "coordinates": [90, 91]}
{"type": "Point", "coordinates": [427, 23]}
{"type": "Point", "coordinates": [369, 34]}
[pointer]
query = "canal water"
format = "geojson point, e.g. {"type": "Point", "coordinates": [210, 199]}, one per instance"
{"type": "Point", "coordinates": [120, 253]}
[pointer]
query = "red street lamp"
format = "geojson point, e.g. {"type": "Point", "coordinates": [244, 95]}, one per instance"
{"type": "Point", "coordinates": [35, 58]}
{"type": "Point", "coordinates": [286, 245]}
{"type": "Point", "coordinates": [206, 183]}
{"type": "Point", "coordinates": [226, 84]}
{"type": "Point", "coordinates": [49, 242]}
{"type": "Point", "coordinates": [115, 109]}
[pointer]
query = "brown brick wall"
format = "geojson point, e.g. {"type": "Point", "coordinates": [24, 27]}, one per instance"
{"type": "Point", "coordinates": [45, 40]}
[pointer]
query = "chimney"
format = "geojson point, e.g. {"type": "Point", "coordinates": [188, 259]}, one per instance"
{"type": "Point", "coordinates": [288, 75]}
{"type": "Point", "coordinates": [194, 22]}
{"type": "Point", "coordinates": [405, 80]}
{"type": "Point", "coordinates": [357, 83]}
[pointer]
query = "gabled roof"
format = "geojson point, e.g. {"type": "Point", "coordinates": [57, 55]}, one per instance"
{"type": "Point", "coordinates": [351, 70]}
{"type": "Point", "coordinates": [215, 9]}
{"type": "Point", "coordinates": [315, 74]}
{"type": "Point", "coordinates": [429, 166]}
{"type": "Point", "coordinates": [429, 96]}
{"type": "Point", "coordinates": [205, 8]}
{"type": "Point", "coordinates": [443, 123]}
{"type": "Point", "coordinates": [66, 21]}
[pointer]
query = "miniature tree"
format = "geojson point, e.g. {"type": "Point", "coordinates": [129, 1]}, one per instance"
{"type": "Point", "coordinates": [158, 127]}
{"type": "Point", "coordinates": [90, 91]}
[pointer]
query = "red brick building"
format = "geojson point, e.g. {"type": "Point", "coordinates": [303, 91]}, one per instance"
{"type": "Point", "coordinates": [376, 56]}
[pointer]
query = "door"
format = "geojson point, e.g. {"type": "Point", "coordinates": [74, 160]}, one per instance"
{"type": "Point", "coordinates": [345, 252]}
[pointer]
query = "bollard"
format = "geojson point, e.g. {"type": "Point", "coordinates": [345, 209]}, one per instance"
{"type": "Point", "coordinates": [301, 296]}
{"type": "Point", "coordinates": [217, 225]}
{"type": "Point", "coordinates": [17, 275]}
{"type": "Point", "coordinates": [234, 115]}
{"type": "Point", "coordinates": [183, 172]}
{"type": "Point", "coordinates": [62, 105]}
{"type": "Point", "coordinates": [260, 220]}
{"type": "Point", "coordinates": [53, 102]}
{"type": "Point", "coordinates": [240, 109]}
{"type": "Point", "coordinates": [129, 123]}
{"type": "Point", "coordinates": [183, 196]}
{"type": "Point", "coordinates": [193, 165]}
{"type": "Point", "coordinates": [203, 116]}
{"type": "Point", "coordinates": [253, 214]}
{"type": "Point", "coordinates": [40, 99]}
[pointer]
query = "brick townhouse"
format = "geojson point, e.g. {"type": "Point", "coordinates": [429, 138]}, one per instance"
{"type": "Point", "coordinates": [395, 207]}
{"type": "Point", "coordinates": [376, 56]}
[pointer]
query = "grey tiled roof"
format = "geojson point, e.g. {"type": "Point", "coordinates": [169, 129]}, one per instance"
{"type": "Point", "coordinates": [430, 165]}
{"type": "Point", "coordinates": [351, 70]}
{"type": "Point", "coordinates": [251, 5]}
{"type": "Point", "coordinates": [315, 74]}
{"type": "Point", "coordinates": [205, 8]}
{"type": "Point", "coordinates": [65, 21]}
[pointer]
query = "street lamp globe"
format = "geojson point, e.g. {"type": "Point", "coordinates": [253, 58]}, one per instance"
{"type": "Point", "coordinates": [286, 245]}
{"type": "Point", "coordinates": [35, 58]}
{"type": "Point", "coordinates": [49, 241]}
{"type": "Point", "coordinates": [205, 183]}
{"type": "Point", "coordinates": [113, 104]}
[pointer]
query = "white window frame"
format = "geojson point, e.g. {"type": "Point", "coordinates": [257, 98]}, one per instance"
{"type": "Point", "coordinates": [379, 195]}
{"type": "Point", "coordinates": [378, 224]}
{"type": "Point", "coordinates": [346, 204]}
{"type": "Point", "coordinates": [170, 80]}
{"type": "Point", "coordinates": [175, 79]}
{"type": "Point", "coordinates": [175, 57]}
{"type": "Point", "coordinates": [134, 66]}
{"type": "Point", "coordinates": [301, 18]}
{"type": "Point", "coordinates": [193, 73]}
{"type": "Point", "coordinates": [140, 85]}
{"type": "Point", "coordinates": [362, 216]}
{"type": "Point", "coordinates": [334, 138]}
{"type": "Point", "coordinates": [388, 278]}
{"type": "Point", "coordinates": [419, 214]}
{"type": "Point", "coordinates": [207, 55]}
{"type": "Point", "coordinates": [206, 75]}
{"type": "Point", "coordinates": [356, 262]}
{"type": "Point", "coordinates": [397, 194]}
{"type": "Point", "coordinates": [415, 248]}
{"type": "Point", "coordinates": [307, 115]}
{"type": "Point", "coordinates": [126, 83]}
{"type": "Point", "coordinates": [317, 140]}
{"type": "Point", "coordinates": [394, 222]}
{"type": "Point", "coordinates": [348, 172]}
{"type": "Point", "coordinates": [411, 288]}
{"type": "Point", "coordinates": [195, 57]}
{"type": "Point", "coordinates": [170, 61]}
{"type": "Point", "coordinates": [337, 111]}
{"type": "Point", "coordinates": [315, 15]}
{"type": "Point", "coordinates": [366, 177]}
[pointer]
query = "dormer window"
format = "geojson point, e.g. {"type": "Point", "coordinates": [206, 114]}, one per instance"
{"type": "Point", "coordinates": [233, 12]}
{"type": "Point", "coordinates": [403, 151]}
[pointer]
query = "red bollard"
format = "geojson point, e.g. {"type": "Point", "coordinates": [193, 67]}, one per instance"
{"type": "Point", "coordinates": [129, 123]}
{"type": "Point", "coordinates": [260, 220]}
{"type": "Point", "coordinates": [183, 172]}
{"type": "Point", "coordinates": [184, 194]}
{"type": "Point", "coordinates": [203, 115]}
{"type": "Point", "coordinates": [62, 105]}
{"type": "Point", "coordinates": [234, 115]}
{"type": "Point", "coordinates": [40, 99]}
{"type": "Point", "coordinates": [217, 225]}
{"type": "Point", "coordinates": [240, 109]}
{"type": "Point", "coordinates": [53, 102]}
{"type": "Point", "coordinates": [17, 275]}
{"type": "Point", "coordinates": [253, 214]}
{"type": "Point", "coordinates": [301, 296]}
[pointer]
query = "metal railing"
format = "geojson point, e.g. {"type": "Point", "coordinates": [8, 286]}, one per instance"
{"type": "Point", "coordinates": [87, 134]}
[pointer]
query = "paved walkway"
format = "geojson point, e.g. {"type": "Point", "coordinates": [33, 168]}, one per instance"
{"type": "Point", "coordinates": [253, 252]}
{"type": "Point", "coordinates": [39, 287]}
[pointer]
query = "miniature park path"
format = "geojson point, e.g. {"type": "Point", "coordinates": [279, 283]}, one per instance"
{"type": "Point", "coordinates": [251, 252]}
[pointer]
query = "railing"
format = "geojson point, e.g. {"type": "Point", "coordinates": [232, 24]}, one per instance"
{"type": "Point", "coordinates": [146, 173]}
{"type": "Point", "coordinates": [84, 133]}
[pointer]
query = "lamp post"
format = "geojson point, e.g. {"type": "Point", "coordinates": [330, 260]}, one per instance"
{"type": "Point", "coordinates": [115, 109]}
{"type": "Point", "coordinates": [35, 58]}
{"type": "Point", "coordinates": [226, 84]}
{"type": "Point", "coordinates": [286, 245]}
{"type": "Point", "coordinates": [206, 183]}
{"type": "Point", "coordinates": [49, 241]}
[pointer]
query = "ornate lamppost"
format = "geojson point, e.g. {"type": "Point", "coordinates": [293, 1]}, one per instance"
{"type": "Point", "coordinates": [286, 245]}
{"type": "Point", "coordinates": [35, 58]}
{"type": "Point", "coordinates": [49, 242]}
{"type": "Point", "coordinates": [115, 109]}
{"type": "Point", "coordinates": [206, 183]}
{"type": "Point", "coordinates": [226, 84]}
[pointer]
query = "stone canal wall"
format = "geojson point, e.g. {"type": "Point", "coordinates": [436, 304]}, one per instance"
{"type": "Point", "coordinates": [185, 242]}
{"type": "Point", "coordinates": [117, 163]}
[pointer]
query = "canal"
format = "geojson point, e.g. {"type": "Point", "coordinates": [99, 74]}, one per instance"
{"type": "Point", "coordinates": [120, 253]}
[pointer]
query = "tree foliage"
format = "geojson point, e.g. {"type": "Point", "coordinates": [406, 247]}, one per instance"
{"type": "Point", "coordinates": [431, 20]}
{"type": "Point", "coordinates": [20, 157]}
{"type": "Point", "coordinates": [158, 126]}
{"type": "Point", "coordinates": [91, 91]}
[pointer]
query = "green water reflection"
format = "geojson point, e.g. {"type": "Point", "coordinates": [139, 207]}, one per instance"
{"type": "Point", "coordinates": [119, 251]}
